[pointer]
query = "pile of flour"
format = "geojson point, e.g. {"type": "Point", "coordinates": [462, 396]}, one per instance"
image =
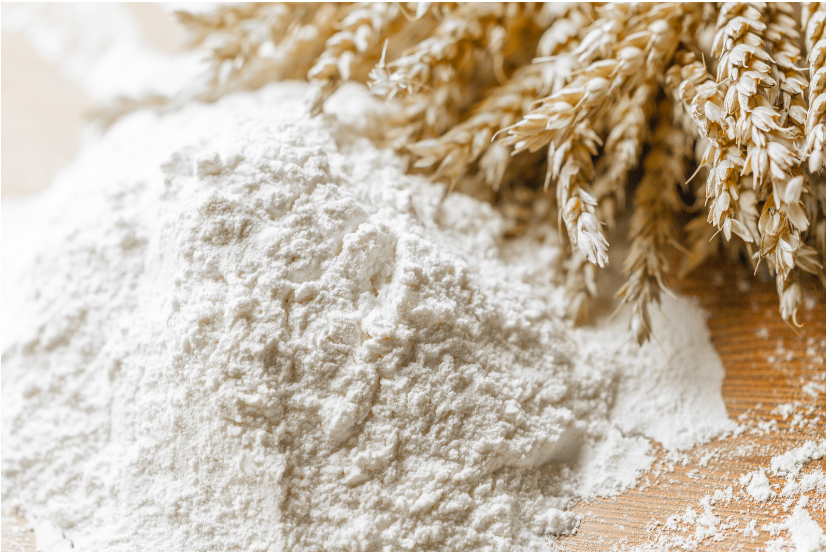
{"type": "Point", "coordinates": [242, 328]}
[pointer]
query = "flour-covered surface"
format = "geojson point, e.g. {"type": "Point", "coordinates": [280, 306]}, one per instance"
{"type": "Point", "coordinates": [249, 329]}
{"type": "Point", "coordinates": [704, 499]}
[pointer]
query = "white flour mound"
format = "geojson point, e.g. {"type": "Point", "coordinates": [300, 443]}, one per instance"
{"type": "Point", "coordinates": [250, 330]}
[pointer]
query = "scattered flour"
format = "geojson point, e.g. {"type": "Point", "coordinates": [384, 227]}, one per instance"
{"type": "Point", "coordinates": [790, 463]}
{"type": "Point", "coordinates": [246, 329]}
{"type": "Point", "coordinates": [797, 532]}
{"type": "Point", "coordinates": [757, 485]}
{"type": "Point", "coordinates": [806, 535]}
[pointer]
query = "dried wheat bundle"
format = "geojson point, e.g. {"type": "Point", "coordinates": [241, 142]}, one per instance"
{"type": "Point", "coordinates": [607, 101]}
{"type": "Point", "coordinates": [454, 152]}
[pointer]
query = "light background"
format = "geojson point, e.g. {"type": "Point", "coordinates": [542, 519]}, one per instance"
{"type": "Point", "coordinates": [44, 108]}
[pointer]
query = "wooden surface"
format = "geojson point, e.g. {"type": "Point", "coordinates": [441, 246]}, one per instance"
{"type": "Point", "coordinates": [767, 365]}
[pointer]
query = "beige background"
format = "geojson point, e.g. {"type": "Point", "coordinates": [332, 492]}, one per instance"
{"type": "Point", "coordinates": [43, 113]}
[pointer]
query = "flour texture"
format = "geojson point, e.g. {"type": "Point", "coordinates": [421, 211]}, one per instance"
{"type": "Point", "coordinates": [246, 329]}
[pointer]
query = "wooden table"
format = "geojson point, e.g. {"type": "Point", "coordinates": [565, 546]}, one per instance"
{"type": "Point", "coordinates": [767, 364]}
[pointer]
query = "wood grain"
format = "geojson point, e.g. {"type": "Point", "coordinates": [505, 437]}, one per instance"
{"type": "Point", "coordinates": [767, 365]}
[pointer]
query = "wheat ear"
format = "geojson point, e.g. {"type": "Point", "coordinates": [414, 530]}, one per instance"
{"type": "Point", "coordinates": [699, 103]}
{"type": "Point", "coordinates": [653, 222]}
{"type": "Point", "coordinates": [622, 151]}
{"type": "Point", "coordinates": [580, 287]}
{"type": "Point", "coordinates": [360, 34]}
{"type": "Point", "coordinates": [453, 152]}
{"type": "Point", "coordinates": [814, 16]}
{"type": "Point", "coordinates": [772, 153]}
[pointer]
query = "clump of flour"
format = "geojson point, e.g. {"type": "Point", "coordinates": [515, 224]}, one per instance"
{"type": "Point", "coordinates": [249, 329]}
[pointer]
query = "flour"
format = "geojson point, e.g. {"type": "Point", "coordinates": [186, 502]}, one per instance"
{"type": "Point", "coordinates": [757, 485]}
{"type": "Point", "coordinates": [249, 329]}
{"type": "Point", "coordinates": [796, 530]}
{"type": "Point", "coordinates": [806, 535]}
{"type": "Point", "coordinates": [790, 463]}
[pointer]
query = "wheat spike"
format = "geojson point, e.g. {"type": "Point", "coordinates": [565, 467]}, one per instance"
{"type": "Point", "coordinates": [623, 147]}
{"type": "Point", "coordinates": [359, 37]}
{"type": "Point", "coordinates": [580, 287]}
{"type": "Point", "coordinates": [653, 223]}
{"type": "Point", "coordinates": [453, 152]}
{"type": "Point", "coordinates": [773, 155]}
{"type": "Point", "coordinates": [814, 16]}
{"type": "Point", "coordinates": [791, 298]}
{"type": "Point", "coordinates": [814, 23]}
{"type": "Point", "coordinates": [572, 167]}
